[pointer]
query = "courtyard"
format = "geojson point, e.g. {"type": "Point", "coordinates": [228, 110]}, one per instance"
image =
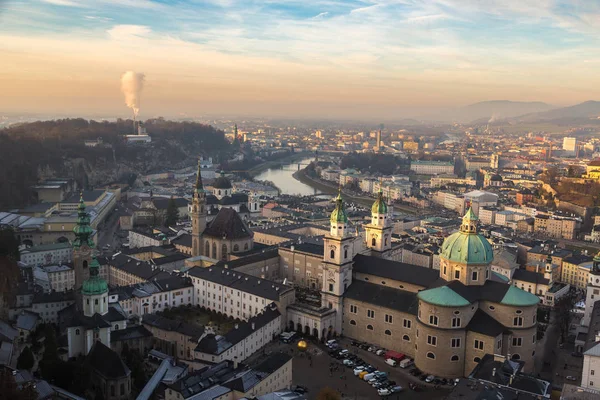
{"type": "Point", "coordinates": [200, 316]}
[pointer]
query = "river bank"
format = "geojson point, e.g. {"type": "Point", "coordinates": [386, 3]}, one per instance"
{"type": "Point", "coordinates": [260, 168]}
{"type": "Point", "coordinates": [333, 189]}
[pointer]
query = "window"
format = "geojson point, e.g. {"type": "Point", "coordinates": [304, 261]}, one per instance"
{"type": "Point", "coordinates": [77, 331]}
{"type": "Point", "coordinates": [518, 321]}
{"type": "Point", "coordinates": [474, 276]}
{"type": "Point", "coordinates": [207, 249]}
{"type": "Point", "coordinates": [122, 389]}
{"type": "Point", "coordinates": [477, 359]}
{"type": "Point", "coordinates": [345, 253]}
{"type": "Point", "coordinates": [352, 322]}
{"type": "Point", "coordinates": [517, 342]}
{"type": "Point", "coordinates": [478, 345]}
{"type": "Point", "coordinates": [353, 309]}
{"type": "Point", "coordinates": [457, 274]}
{"type": "Point", "coordinates": [455, 342]}
{"type": "Point", "coordinates": [492, 308]}
{"type": "Point", "coordinates": [388, 318]}
{"type": "Point", "coordinates": [519, 312]}
{"type": "Point", "coordinates": [331, 287]}
{"type": "Point", "coordinates": [406, 323]}
{"type": "Point", "coordinates": [592, 372]}
{"type": "Point", "coordinates": [388, 332]}
{"type": "Point", "coordinates": [431, 355]}
{"type": "Point", "coordinates": [499, 344]}
{"type": "Point", "coordinates": [406, 338]}
{"type": "Point", "coordinates": [112, 390]}
{"type": "Point", "coordinates": [454, 358]}
{"type": "Point", "coordinates": [224, 252]}
{"type": "Point", "coordinates": [432, 340]}
{"type": "Point", "coordinates": [236, 247]}
{"type": "Point", "coordinates": [332, 254]}
{"type": "Point", "coordinates": [370, 327]}
{"type": "Point", "coordinates": [455, 322]}
{"type": "Point", "coordinates": [96, 302]}
{"type": "Point", "coordinates": [373, 242]}
{"type": "Point", "coordinates": [370, 313]}
{"type": "Point", "coordinates": [444, 270]}
{"type": "Point", "coordinates": [433, 320]}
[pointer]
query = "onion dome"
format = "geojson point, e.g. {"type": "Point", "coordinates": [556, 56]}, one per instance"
{"type": "Point", "coordinates": [468, 246]}
{"type": "Point", "coordinates": [339, 213]}
{"type": "Point", "coordinates": [222, 182]}
{"type": "Point", "coordinates": [83, 231]}
{"type": "Point", "coordinates": [94, 284]}
{"type": "Point", "coordinates": [379, 207]}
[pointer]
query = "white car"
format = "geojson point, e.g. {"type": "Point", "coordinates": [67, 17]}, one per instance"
{"type": "Point", "coordinates": [348, 363]}
{"type": "Point", "coordinates": [384, 392]}
{"type": "Point", "coordinates": [380, 352]}
{"type": "Point", "coordinates": [358, 370]}
{"type": "Point", "coordinates": [429, 378]}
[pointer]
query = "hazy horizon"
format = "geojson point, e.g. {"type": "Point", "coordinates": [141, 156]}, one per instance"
{"type": "Point", "coordinates": [327, 59]}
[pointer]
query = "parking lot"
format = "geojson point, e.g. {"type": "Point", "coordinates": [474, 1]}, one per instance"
{"type": "Point", "coordinates": [312, 369]}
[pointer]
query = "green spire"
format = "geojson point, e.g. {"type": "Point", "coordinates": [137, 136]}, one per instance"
{"type": "Point", "coordinates": [199, 185]}
{"type": "Point", "coordinates": [83, 231]}
{"type": "Point", "coordinates": [379, 207]}
{"type": "Point", "coordinates": [94, 284]}
{"type": "Point", "coordinates": [339, 213]}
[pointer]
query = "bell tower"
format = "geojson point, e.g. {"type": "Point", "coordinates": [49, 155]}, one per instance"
{"type": "Point", "coordinates": [83, 245]}
{"type": "Point", "coordinates": [198, 213]}
{"type": "Point", "coordinates": [338, 247]}
{"type": "Point", "coordinates": [379, 231]}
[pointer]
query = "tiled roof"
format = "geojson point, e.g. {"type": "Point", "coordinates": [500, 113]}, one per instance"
{"type": "Point", "coordinates": [383, 296]}
{"type": "Point", "coordinates": [106, 362]}
{"type": "Point", "coordinates": [530, 276]}
{"type": "Point", "coordinates": [484, 324]}
{"type": "Point", "coordinates": [130, 333]}
{"type": "Point", "coordinates": [194, 331]}
{"type": "Point", "coordinates": [228, 224]}
{"type": "Point", "coordinates": [396, 270]}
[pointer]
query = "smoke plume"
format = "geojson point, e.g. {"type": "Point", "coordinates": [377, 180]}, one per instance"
{"type": "Point", "coordinates": [132, 84]}
{"type": "Point", "coordinates": [494, 118]}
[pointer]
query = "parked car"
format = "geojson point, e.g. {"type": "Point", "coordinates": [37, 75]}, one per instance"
{"type": "Point", "coordinates": [299, 389]}
{"type": "Point", "coordinates": [429, 378]}
{"type": "Point", "coordinates": [331, 343]}
{"type": "Point", "coordinates": [358, 370]}
{"type": "Point", "coordinates": [384, 392]}
{"type": "Point", "coordinates": [348, 363]}
{"type": "Point", "coordinates": [371, 368]}
{"type": "Point", "coordinates": [571, 378]}
{"type": "Point", "coordinates": [368, 377]}
{"type": "Point", "coordinates": [380, 352]}
{"type": "Point", "coordinates": [396, 389]}
{"type": "Point", "coordinates": [407, 362]}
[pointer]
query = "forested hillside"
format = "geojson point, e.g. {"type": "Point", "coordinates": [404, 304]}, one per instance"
{"type": "Point", "coordinates": [33, 151]}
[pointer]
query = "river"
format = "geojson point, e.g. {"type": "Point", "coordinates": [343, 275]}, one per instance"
{"type": "Point", "coordinates": [283, 179]}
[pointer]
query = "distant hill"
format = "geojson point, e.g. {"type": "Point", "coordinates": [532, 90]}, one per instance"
{"type": "Point", "coordinates": [491, 111]}
{"type": "Point", "coordinates": [586, 110]}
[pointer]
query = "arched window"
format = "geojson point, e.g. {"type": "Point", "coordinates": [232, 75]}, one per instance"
{"type": "Point", "coordinates": [116, 327]}
{"type": "Point", "coordinates": [476, 359]}
{"type": "Point", "coordinates": [77, 331]}
{"type": "Point", "coordinates": [214, 250]}
{"type": "Point", "coordinates": [454, 358]}
{"type": "Point", "coordinates": [388, 332]}
{"type": "Point", "coordinates": [219, 192]}
{"type": "Point", "coordinates": [85, 264]}
{"type": "Point", "coordinates": [431, 355]}
{"type": "Point", "coordinates": [515, 357]}
{"type": "Point", "coordinates": [207, 249]}
{"type": "Point", "coordinates": [370, 327]}
{"type": "Point", "coordinates": [345, 253]}
{"type": "Point", "coordinates": [236, 248]}
{"type": "Point", "coordinates": [332, 254]}
{"type": "Point", "coordinates": [245, 246]}
{"type": "Point", "coordinates": [352, 322]}
{"type": "Point", "coordinates": [385, 241]}
{"type": "Point", "coordinates": [406, 338]}
{"type": "Point", "coordinates": [373, 242]}
{"type": "Point", "coordinates": [433, 320]}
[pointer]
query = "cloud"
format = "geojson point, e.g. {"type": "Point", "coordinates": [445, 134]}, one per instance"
{"type": "Point", "coordinates": [67, 3]}
{"type": "Point", "coordinates": [321, 15]}
{"type": "Point", "coordinates": [128, 32]}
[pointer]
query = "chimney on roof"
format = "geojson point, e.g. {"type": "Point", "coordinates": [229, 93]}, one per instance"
{"type": "Point", "coordinates": [236, 326]}
{"type": "Point", "coordinates": [253, 326]}
{"type": "Point", "coordinates": [494, 372]}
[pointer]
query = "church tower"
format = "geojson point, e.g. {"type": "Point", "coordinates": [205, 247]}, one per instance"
{"type": "Point", "coordinates": [94, 292]}
{"type": "Point", "coordinates": [198, 214]}
{"type": "Point", "coordinates": [593, 290]}
{"type": "Point", "coordinates": [83, 246]}
{"type": "Point", "coordinates": [337, 261]}
{"type": "Point", "coordinates": [379, 231]}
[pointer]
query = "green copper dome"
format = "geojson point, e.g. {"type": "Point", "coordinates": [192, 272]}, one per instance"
{"type": "Point", "coordinates": [339, 213]}
{"type": "Point", "coordinates": [467, 246]}
{"type": "Point", "coordinates": [379, 207]}
{"type": "Point", "coordinates": [94, 284]}
{"type": "Point", "coordinates": [443, 296]}
{"type": "Point", "coordinates": [518, 297]}
{"type": "Point", "coordinates": [83, 231]}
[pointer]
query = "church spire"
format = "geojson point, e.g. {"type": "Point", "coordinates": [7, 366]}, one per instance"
{"type": "Point", "coordinates": [199, 186]}
{"type": "Point", "coordinates": [83, 231]}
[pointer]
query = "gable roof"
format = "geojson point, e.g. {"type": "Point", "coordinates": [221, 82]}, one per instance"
{"type": "Point", "coordinates": [395, 270]}
{"type": "Point", "coordinates": [228, 224]}
{"type": "Point", "coordinates": [194, 331]}
{"type": "Point", "coordinates": [530, 276]}
{"type": "Point", "coordinates": [106, 362]}
{"type": "Point", "coordinates": [396, 299]}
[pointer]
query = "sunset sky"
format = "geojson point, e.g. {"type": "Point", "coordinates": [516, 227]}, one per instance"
{"type": "Point", "coordinates": [296, 58]}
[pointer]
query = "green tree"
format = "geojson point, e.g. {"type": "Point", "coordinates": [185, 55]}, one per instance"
{"type": "Point", "coordinates": [172, 213]}
{"type": "Point", "coordinates": [25, 360]}
{"type": "Point", "coordinates": [9, 270]}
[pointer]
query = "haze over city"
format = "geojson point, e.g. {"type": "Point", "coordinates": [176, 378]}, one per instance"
{"type": "Point", "coordinates": [325, 58]}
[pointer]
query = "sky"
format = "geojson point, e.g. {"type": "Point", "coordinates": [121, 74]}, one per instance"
{"type": "Point", "coordinates": [295, 58]}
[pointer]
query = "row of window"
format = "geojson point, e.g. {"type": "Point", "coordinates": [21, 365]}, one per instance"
{"type": "Point", "coordinates": [474, 274]}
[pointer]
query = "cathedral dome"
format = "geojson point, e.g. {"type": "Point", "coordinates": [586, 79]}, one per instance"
{"type": "Point", "coordinates": [468, 246]}
{"type": "Point", "coordinates": [222, 182]}
{"type": "Point", "coordinates": [379, 207]}
{"type": "Point", "coordinates": [339, 213]}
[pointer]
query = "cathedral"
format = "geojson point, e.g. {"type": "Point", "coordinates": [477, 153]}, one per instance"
{"type": "Point", "coordinates": [446, 320]}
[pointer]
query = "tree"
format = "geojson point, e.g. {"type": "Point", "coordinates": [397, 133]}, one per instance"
{"type": "Point", "coordinates": [328, 393]}
{"type": "Point", "coordinates": [172, 213]}
{"type": "Point", "coordinates": [564, 315]}
{"type": "Point", "coordinates": [25, 360]}
{"type": "Point", "coordinates": [9, 390]}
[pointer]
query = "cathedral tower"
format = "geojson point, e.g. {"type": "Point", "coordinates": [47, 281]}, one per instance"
{"type": "Point", "coordinates": [337, 261]}
{"type": "Point", "coordinates": [94, 292]}
{"type": "Point", "coordinates": [198, 214]}
{"type": "Point", "coordinates": [379, 231]}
